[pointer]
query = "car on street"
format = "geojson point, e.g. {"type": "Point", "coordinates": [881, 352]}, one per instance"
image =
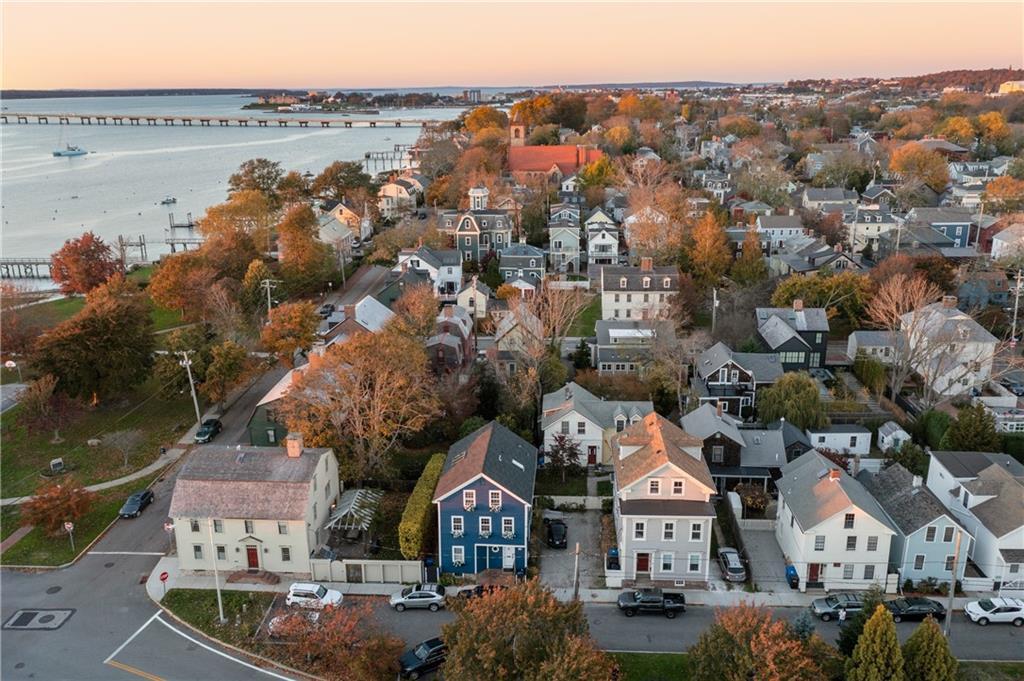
{"type": "Point", "coordinates": [915, 608]}
{"type": "Point", "coordinates": [996, 610]}
{"type": "Point", "coordinates": [276, 624]}
{"type": "Point", "coordinates": [136, 504]}
{"type": "Point", "coordinates": [309, 595]}
{"type": "Point", "coordinates": [828, 608]}
{"type": "Point", "coordinates": [325, 310]}
{"type": "Point", "coordinates": [208, 430]}
{"type": "Point", "coordinates": [480, 590]}
{"type": "Point", "coordinates": [557, 533]}
{"type": "Point", "coordinates": [651, 600]}
{"type": "Point", "coordinates": [1015, 388]}
{"type": "Point", "coordinates": [430, 596]}
{"type": "Point", "coordinates": [423, 658]}
{"type": "Point", "coordinates": [732, 566]}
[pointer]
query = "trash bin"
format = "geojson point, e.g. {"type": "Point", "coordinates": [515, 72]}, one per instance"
{"type": "Point", "coordinates": [613, 559]}
{"type": "Point", "coordinates": [792, 577]}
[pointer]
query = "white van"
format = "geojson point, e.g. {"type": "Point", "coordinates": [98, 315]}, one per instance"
{"type": "Point", "coordinates": [307, 595]}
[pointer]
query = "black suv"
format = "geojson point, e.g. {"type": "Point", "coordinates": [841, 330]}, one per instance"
{"type": "Point", "coordinates": [207, 431]}
{"type": "Point", "coordinates": [558, 533]}
{"type": "Point", "coordinates": [915, 608]}
{"type": "Point", "coordinates": [424, 658]}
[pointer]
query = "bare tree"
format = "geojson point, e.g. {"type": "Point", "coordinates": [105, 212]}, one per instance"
{"type": "Point", "coordinates": [672, 356]}
{"type": "Point", "coordinates": [124, 442]}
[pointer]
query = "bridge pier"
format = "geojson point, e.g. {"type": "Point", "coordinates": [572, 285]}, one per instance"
{"type": "Point", "coordinates": [44, 120]}
{"type": "Point", "coordinates": [133, 121]}
{"type": "Point", "coordinates": [118, 120]}
{"type": "Point", "coordinates": [373, 124]}
{"type": "Point", "coordinates": [168, 121]}
{"type": "Point", "coordinates": [282, 124]}
{"type": "Point", "coordinates": [151, 121]}
{"type": "Point", "coordinates": [64, 120]}
{"type": "Point", "coordinates": [303, 124]}
{"type": "Point", "coordinates": [84, 120]}
{"type": "Point", "coordinates": [244, 124]}
{"type": "Point", "coordinates": [261, 124]}
{"type": "Point", "coordinates": [325, 124]}
{"type": "Point", "coordinates": [23, 119]}
{"type": "Point", "coordinates": [398, 124]}
{"type": "Point", "coordinates": [204, 121]}
{"type": "Point", "coordinates": [348, 124]}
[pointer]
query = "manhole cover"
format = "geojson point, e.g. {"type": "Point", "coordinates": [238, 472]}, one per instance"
{"type": "Point", "coordinates": [44, 619]}
{"type": "Point", "coordinates": [53, 589]}
{"type": "Point", "coordinates": [108, 565]}
{"type": "Point", "coordinates": [38, 619]}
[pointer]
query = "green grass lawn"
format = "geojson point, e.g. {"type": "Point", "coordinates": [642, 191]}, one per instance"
{"type": "Point", "coordinates": [49, 314]}
{"type": "Point", "coordinates": [8, 521]}
{"type": "Point", "coordinates": [25, 455]}
{"type": "Point", "coordinates": [142, 274]}
{"type": "Point", "coordinates": [198, 607]}
{"type": "Point", "coordinates": [38, 548]}
{"type": "Point", "coordinates": [384, 526]}
{"type": "Point", "coordinates": [584, 324]}
{"type": "Point", "coordinates": [604, 488]}
{"type": "Point", "coordinates": [653, 666]}
{"type": "Point", "coordinates": [991, 671]}
{"type": "Point", "coordinates": [549, 483]}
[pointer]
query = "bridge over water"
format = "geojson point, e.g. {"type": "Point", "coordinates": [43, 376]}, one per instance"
{"type": "Point", "coordinates": [11, 118]}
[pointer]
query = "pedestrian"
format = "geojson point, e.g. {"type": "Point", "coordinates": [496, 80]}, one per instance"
{"type": "Point", "coordinates": [842, 617]}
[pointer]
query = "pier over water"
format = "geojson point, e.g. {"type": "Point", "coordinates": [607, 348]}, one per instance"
{"type": "Point", "coordinates": [10, 118]}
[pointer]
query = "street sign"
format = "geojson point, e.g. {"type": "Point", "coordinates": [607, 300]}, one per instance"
{"type": "Point", "coordinates": [163, 576]}
{"type": "Point", "coordinates": [10, 364]}
{"type": "Point", "coordinates": [169, 527]}
{"type": "Point", "coordinates": [69, 527]}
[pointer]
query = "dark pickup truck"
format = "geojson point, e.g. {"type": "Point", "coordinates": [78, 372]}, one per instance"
{"type": "Point", "coordinates": [651, 600]}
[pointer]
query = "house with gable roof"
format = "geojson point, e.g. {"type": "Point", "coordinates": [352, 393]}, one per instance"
{"type": "Point", "coordinates": [551, 163]}
{"type": "Point", "coordinates": [732, 379]}
{"type": "Point", "coordinates": [985, 492]}
{"type": "Point", "coordinates": [474, 297]}
{"type": "Point", "coordinates": [829, 527]}
{"type": "Point", "coordinates": [591, 421]}
{"type": "Point", "coordinates": [637, 292]}
{"type": "Point", "coordinates": [602, 233]}
{"type": "Point", "coordinates": [662, 505]}
{"type": "Point", "coordinates": [564, 246]}
{"type": "Point", "coordinates": [484, 499]}
{"type": "Point", "coordinates": [479, 230]}
{"type": "Point", "coordinates": [799, 335]}
{"type": "Point", "coordinates": [442, 266]}
{"type": "Point", "coordinates": [522, 261]}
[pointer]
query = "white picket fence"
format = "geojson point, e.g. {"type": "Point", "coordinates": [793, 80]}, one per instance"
{"type": "Point", "coordinates": [362, 571]}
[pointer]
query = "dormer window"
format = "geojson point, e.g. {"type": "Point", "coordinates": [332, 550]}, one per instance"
{"type": "Point", "coordinates": [483, 223]}
{"type": "Point", "coordinates": [620, 424]}
{"type": "Point", "coordinates": [622, 282]}
{"type": "Point", "coordinates": [667, 282]}
{"type": "Point", "coordinates": [647, 282]}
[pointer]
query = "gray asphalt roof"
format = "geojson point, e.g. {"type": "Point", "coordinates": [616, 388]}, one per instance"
{"type": "Point", "coordinates": [814, 498]}
{"type": "Point", "coordinates": [808, 319]}
{"type": "Point", "coordinates": [498, 453]}
{"type": "Point", "coordinates": [909, 507]}
{"type": "Point", "coordinates": [763, 447]}
{"type": "Point", "coordinates": [574, 397]}
{"type": "Point", "coordinates": [776, 332]}
{"type": "Point", "coordinates": [764, 365]}
{"type": "Point", "coordinates": [667, 507]}
{"type": "Point", "coordinates": [704, 421]}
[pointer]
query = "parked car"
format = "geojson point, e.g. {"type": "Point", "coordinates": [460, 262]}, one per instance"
{"type": "Point", "coordinates": [309, 595]}
{"type": "Point", "coordinates": [430, 596]}
{"type": "Point", "coordinates": [651, 600]}
{"type": "Point", "coordinates": [325, 310]}
{"type": "Point", "coordinates": [828, 608]}
{"type": "Point", "coordinates": [136, 504]}
{"type": "Point", "coordinates": [557, 533]}
{"type": "Point", "coordinates": [423, 658]}
{"type": "Point", "coordinates": [732, 566]}
{"type": "Point", "coordinates": [1015, 388]}
{"type": "Point", "coordinates": [208, 430]}
{"type": "Point", "coordinates": [996, 610]}
{"type": "Point", "coordinates": [915, 608]}
{"type": "Point", "coordinates": [479, 590]}
{"type": "Point", "coordinates": [275, 624]}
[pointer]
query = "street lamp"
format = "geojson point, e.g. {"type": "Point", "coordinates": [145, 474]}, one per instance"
{"type": "Point", "coordinates": [11, 364]}
{"type": "Point", "coordinates": [216, 576]}
{"type": "Point", "coordinates": [187, 363]}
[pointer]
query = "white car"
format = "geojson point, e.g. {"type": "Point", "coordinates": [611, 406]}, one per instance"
{"type": "Point", "coordinates": [430, 596]}
{"type": "Point", "coordinates": [996, 610]}
{"type": "Point", "coordinates": [308, 595]}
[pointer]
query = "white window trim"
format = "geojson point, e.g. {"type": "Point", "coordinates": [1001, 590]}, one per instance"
{"type": "Point", "coordinates": [664, 530]}
{"type": "Point", "coordinates": [699, 526]}
{"type": "Point", "coordinates": [640, 525]}
{"type": "Point", "coordinates": [459, 521]}
{"type": "Point", "coordinates": [458, 555]}
{"type": "Point", "coordinates": [689, 563]}
{"type": "Point", "coordinates": [682, 487]}
{"type": "Point", "coordinates": [654, 487]}
{"type": "Point", "coordinates": [485, 520]}
{"type": "Point", "coordinates": [469, 499]}
{"type": "Point", "coordinates": [494, 499]}
{"type": "Point", "coordinates": [671, 559]}
{"type": "Point", "coordinates": [508, 526]}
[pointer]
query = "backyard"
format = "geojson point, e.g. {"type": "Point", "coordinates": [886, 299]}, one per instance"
{"type": "Point", "coordinates": [549, 483]}
{"type": "Point", "coordinates": [583, 326]}
{"type": "Point", "coordinates": [653, 666]}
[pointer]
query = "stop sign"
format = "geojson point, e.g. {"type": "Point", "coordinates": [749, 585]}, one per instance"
{"type": "Point", "coordinates": [69, 526]}
{"type": "Point", "coordinates": [163, 576]}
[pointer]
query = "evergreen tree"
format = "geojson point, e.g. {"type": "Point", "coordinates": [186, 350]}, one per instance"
{"type": "Point", "coordinates": [850, 633]}
{"type": "Point", "coordinates": [581, 356]}
{"type": "Point", "coordinates": [803, 626]}
{"type": "Point", "coordinates": [926, 655]}
{"type": "Point", "coordinates": [252, 295]}
{"type": "Point", "coordinates": [749, 267]}
{"type": "Point", "coordinates": [877, 656]}
{"type": "Point", "coordinates": [974, 430]}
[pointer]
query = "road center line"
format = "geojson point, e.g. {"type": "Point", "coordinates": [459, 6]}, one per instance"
{"type": "Point", "coordinates": [126, 553]}
{"type": "Point", "coordinates": [137, 632]}
{"type": "Point", "coordinates": [133, 670]}
{"type": "Point", "coordinates": [219, 652]}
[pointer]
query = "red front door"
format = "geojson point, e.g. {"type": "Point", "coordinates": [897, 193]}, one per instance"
{"type": "Point", "coordinates": [252, 554]}
{"type": "Point", "coordinates": [812, 572]}
{"type": "Point", "coordinates": [591, 455]}
{"type": "Point", "coordinates": [643, 562]}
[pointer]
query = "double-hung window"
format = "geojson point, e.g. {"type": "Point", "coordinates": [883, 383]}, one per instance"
{"type": "Point", "coordinates": [485, 526]}
{"type": "Point", "coordinates": [468, 499]}
{"type": "Point", "coordinates": [654, 487]}
{"type": "Point", "coordinates": [819, 542]}
{"type": "Point", "coordinates": [668, 561]}
{"type": "Point", "coordinates": [250, 526]}
{"type": "Point", "coordinates": [851, 543]}
{"type": "Point", "coordinates": [677, 488]}
{"type": "Point", "coordinates": [457, 525]}
{"type": "Point", "coordinates": [697, 531]}
{"type": "Point", "coordinates": [693, 562]}
{"type": "Point", "coordinates": [508, 527]}
{"type": "Point", "coordinates": [218, 526]}
{"type": "Point", "coordinates": [668, 531]}
{"type": "Point", "coordinates": [639, 529]}
{"type": "Point", "coordinates": [494, 499]}
{"type": "Point", "coordinates": [947, 533]}
{"type": "Point", "coordinates": [458, 555]}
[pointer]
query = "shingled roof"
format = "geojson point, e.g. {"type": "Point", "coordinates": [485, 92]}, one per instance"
{"type": "Point", "coordinates": [660, 442]}
{"type": "Point", "coordinates": [495, 452]}
{"type": "Point", "coordinates": [910, 506]}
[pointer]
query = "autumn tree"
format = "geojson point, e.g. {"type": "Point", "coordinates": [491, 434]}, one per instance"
{"type": "Point", "coordinates": [709, 253]}
{"type": "Point", "coordinates": [516, 633]}
{"type": "Point", "coordinates": [485, 117]}
{"type": "Point", "coordinates": [82, 264]}
{"type": "Point", "coordinates": [842, 294]}
{"type": "Point", "coordinates": [739, 125]}
{"type": "Point", "coordinates": [578, 658]}
{"type": "Point", "coordinates": [197, 341]}
{"type": "Point", "coordinates": [341, 178]}
{"type": "Point", "coordinates": [926, 654]}
{"type": "Point", "coordinates": [290, 328]}
{"type": "Point", "coordinates": [847, 169]}
{"type": "Point", "coordinates": [259, 175]}
{"type": "Point", "coordinates": [55, 503]}
{"type": "Point", "coordinates": [747, 642]}
{"type": "Point", "coordinates": [877, 656]}
{"type": "Point", "coordinates": [959, 130]}
{"type": "Point", "coordinates": [345, 642]}
{"type": "Point", "coordinates": [749, 268]}
{"type": "Point", "coordinates": [1004, 194]}
{"type": "Point", "coordinates": [229, 363]}
{"type": "Point", "coordinates": [180, 282]}
{"type": "Point", "coordinates": [364, 396]}
{"type": "Point", "coordinates": [897, 308]}
{"type": "Point", "coordinates": [293, 188]}
{"type": "Point", "coordinates": [793, 397]}
{"type": "Point", "coordinates": [672, 356]}
{"type": "Point", "coordinates": [236, 232]}
{"type": "Point", "coordinates": [995, 132]}
{"type": "Point", "coordinates": [416, 311]}
{"type": "Point", "coordinates": [306, 262]}
{"type": "Point", "coordinates": [914, 162]}
{"type": "Point", "coordinates": [252, 296]}
{"type": "Point", "coordinates": [124, 442]}
{"type": "Point", "coordinates": [765, 180]}
{"type": "Point", "coordinates": [106, 348]}
{"type": "Point", "coordinates": [973, 430]}
{"type": "Point", "coordinates": [42, 407]}
{"type": "Point", "coordinates": [564, 455]}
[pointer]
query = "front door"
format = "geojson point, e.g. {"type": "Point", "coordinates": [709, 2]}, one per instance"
{"type": "Point", "coordinates": [591, 455]}
{"type": "Point", "coordinates": [643, 562]}
{"type": "Point", "coordinates": [508, 560]}
{"type": "Point", "coordinates": [252, 554]}
{"type": "Point", "coordinates": [813, 572]}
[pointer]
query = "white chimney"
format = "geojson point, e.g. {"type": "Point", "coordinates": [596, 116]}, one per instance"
{"type": "Point", "coordinates": [917, 481]}
{"type": "Point", "coordinates": [293, 445]}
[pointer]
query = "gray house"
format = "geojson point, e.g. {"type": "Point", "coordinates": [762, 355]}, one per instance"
{"type": "Point", "coordinates": [564, 246]}
{"type": "Point", "coordinates": [521, 260]}
{"type": "Point", "coordinates": [925, 539]}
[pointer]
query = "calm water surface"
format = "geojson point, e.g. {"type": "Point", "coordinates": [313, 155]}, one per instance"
{"type": "Point", "coordinates": [117, 188]}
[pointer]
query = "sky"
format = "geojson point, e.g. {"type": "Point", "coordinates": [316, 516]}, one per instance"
{"type": "Point", "coordinates": [84, 45]}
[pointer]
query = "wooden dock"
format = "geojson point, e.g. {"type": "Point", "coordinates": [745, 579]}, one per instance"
{"type": "Point", "coordinates": [24, 268]}
{"type": "Point", "coordinates": [12, 118]}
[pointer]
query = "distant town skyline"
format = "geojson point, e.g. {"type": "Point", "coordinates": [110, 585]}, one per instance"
{"type": "Point", "coordinates": [110, 45]}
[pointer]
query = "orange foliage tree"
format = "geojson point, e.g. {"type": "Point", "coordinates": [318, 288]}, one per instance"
{"type": "Point", "coordinates": [181, 282]}
{"type": "Point", "coordinates": [82, 264]}
{"type": "Point", "coordinates": [291, 327]}
{"type": "Point", "coordinates": [914, 162]}
{"type": "Point", "coordinates": [55, 503]}
{"type": "Point", "coordinates": [1005, 194]}
{"type": "Point", "coordinates": [709, 254]}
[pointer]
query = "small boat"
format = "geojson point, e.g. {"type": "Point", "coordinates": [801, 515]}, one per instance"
{"type": "Point", "coordinates": [168, 200]}
{"type": "Point", "coordinates": [70, 150]}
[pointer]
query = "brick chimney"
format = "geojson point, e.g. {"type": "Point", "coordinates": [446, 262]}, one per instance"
{"type": "Point", "coordinates": [718, 409]}
{"type": "Point", "coordinates": [646, 264]}
{"type": "Point", "coordinates": [315, 360]}
{"type": "Point", "coordinates": [798, 305]}
{"type": "Point", "coordinates": [350, 311]}
{"type": "Point", "coordinates": [949, 302]}
{"type": "Point", "coordinates": [834, 474]}
{"type": "Point", "coordinates": [293, 445]}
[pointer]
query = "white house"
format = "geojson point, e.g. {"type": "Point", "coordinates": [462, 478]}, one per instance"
{"type": "Point", "coordinates": [776, 230]}
{"type": "Point", "coordinates": [1009, 242]}
{"type": "Point", "coordinates": [985, 492]}
{"type": "Point", "coordinates": [637, 292]}
{"type": "Point", "coordinates": [829, 527]}
{"type": "Point", "coordinates": [662, 506]}
{"type": "Point", "coordinates": [336, 234]}
{"type": "Point", "coordinates": [891, 436]}
{"type": "Point", "coordinates": [396, 197]}
{"type": "Point", "coordinates": [588, 420]}
{"type": "Point", "coordinates": [571, 183]}
{"type": "Point", "coordinates": [442, 266]}
{"type": "Point", "coordinates": [253, 508]}
{"type": "Point", "coordinates": [473, 297]}
{"type": "Point", "coordinates": [848, 439]}
{"type": "Point", "coordinates": [564, 246]}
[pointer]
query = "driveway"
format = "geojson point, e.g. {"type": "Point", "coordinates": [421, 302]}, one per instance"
{"type": "Point", "coordinates": [557, 565]}
{"type": "Point", "coordinates": [767, 563]}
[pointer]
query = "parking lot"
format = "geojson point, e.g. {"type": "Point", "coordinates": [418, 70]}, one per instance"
{"type": "Point", "coordinates": [556, 565]}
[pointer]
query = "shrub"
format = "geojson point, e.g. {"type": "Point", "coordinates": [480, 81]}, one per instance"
{"type": "Point", "coordinates": [607, 505]}
{"type": "Point", "coordinates": [419, 509]}
{"type": "Point", "coordinates": [933, 426]}
{"type": "Point", "coordinates": [754, 498]}
{"type": "Point", "coordinates": [908, 586]}
{"type": "Point", "coordinates": [544, 502]}
{"type": "Point", "coordinates": [55, 503]}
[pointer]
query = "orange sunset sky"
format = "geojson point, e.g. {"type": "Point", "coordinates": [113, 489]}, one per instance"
{"type": "Point", "coordinates": [392, 44]}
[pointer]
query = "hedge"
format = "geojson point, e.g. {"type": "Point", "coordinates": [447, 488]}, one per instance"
{"type": "Point", "coordinates": [934, 425]}
{"type": "Point", "coordinates": [419, 509]}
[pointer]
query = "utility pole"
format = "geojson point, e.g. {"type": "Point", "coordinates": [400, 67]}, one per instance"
{"type": "Point", "coordinates": [714, 308]}
{"type": "Point", "coordinates": [576, 575]}
{"type": "Point", "coordinates": [952, 586]}
{"type": "Point", "coordinates": [1016, 305]}
{"type": "Point", "coordinates": [269, 285]}
{"type": "Point", "coordinates": [216, 575]}
{"type": "Point", "coordinates": [187, 363]}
